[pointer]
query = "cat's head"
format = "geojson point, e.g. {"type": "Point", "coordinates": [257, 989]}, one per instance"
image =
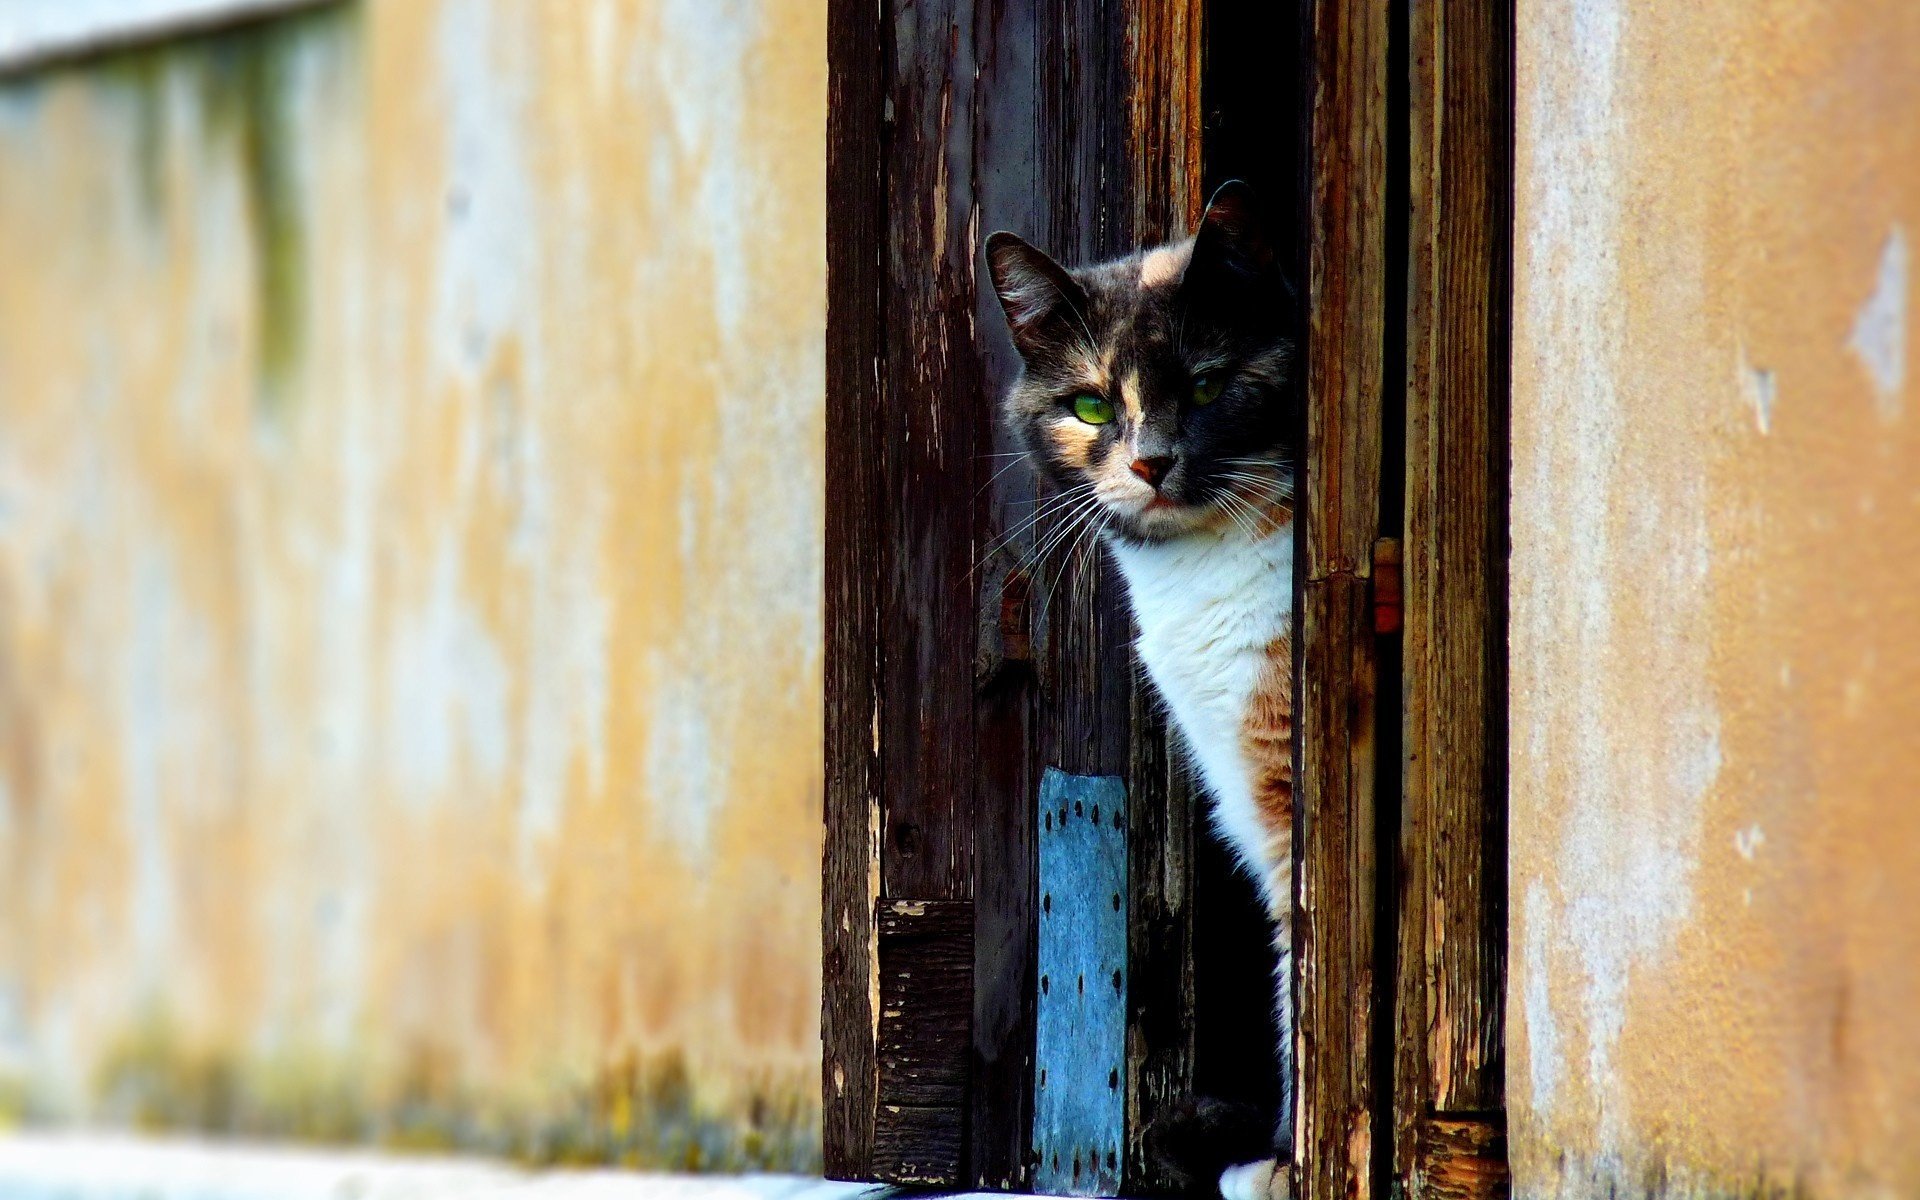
{"type": "Point", "coordinates": [1158, 382]}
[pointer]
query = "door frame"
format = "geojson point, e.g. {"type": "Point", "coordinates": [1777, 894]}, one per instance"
{"type": "Point", "coordinates": [953, 682]}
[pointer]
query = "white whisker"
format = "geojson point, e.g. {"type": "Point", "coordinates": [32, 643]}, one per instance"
{"type": "Point", "coordinates": [1047, 506]}
{"type": "Point", "coordinates": [1066, 527]}
{"type": "Point", "coordinates": [992, 479]}
{"type": "Point", "coordinates": [1087, 528]}
{"type": "Point", "coordinates": [1234, 506]}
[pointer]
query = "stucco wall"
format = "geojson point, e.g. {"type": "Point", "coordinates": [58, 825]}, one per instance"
{"type": "Point", "coordinates": [1716, 599]}
{"type": "Point", "coordinates": [410, 443]}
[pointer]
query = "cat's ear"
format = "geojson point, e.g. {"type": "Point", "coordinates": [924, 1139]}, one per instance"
{"type": "Point", "coordinates": [1231, 244]}
{"type": "Point", "coordinates": [1033, 289]}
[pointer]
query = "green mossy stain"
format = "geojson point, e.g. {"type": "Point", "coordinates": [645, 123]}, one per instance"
{"type": "Point", "coordinates": [137, 78]}
{"type": "Point", "coordinates": [130, 80]}
{"type": "Point", "coordinates": [14, 1107]}
{"type": "Point", "coordinates": [636, 1111]}
{"type": "Point", "coordinates": [254, 93]}
{"type": "Point", "coordinates": [261, 87]}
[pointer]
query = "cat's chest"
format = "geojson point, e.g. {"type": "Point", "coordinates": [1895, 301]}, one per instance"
{"type": "Point", "coordinates": [1210, 612]}
{"type": "Point", "coordinates": [1213, 614]}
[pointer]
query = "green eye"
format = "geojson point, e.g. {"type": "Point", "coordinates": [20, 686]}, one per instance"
{"type": "Point", "coordinates": [1092, 409]}
{"type": "Point", "coordinates": [1206, 388]}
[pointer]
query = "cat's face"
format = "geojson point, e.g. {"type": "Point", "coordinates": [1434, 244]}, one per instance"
{"type": "Point", "coordinates": [1157, 384]}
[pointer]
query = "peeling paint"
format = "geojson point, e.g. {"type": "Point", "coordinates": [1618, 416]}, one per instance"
{"type": "Point", "coordinates": [1761, 391]}
{"type": "Point", "coordinates": [1880, 331]}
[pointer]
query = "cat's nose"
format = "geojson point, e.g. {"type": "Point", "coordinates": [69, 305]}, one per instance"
{"type": "Point", "coordinates": [1154, 469]}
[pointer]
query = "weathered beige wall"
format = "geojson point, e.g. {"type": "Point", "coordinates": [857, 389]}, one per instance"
{"type": "Point", "coordinates": [1716, 599]}
{"type": "Point", "coordinates": [410, 451]}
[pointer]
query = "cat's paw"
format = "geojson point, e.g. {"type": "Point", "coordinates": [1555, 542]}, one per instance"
{"type": "Point", "coordinates": [1267, 1179]}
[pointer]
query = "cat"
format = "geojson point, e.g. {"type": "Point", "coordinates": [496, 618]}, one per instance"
{"type": "Point", "coordinates": [1155, 393]}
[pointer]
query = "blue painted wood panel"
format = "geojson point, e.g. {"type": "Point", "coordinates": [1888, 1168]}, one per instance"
{"type": "Point", "coordinates": [1079, 1075]}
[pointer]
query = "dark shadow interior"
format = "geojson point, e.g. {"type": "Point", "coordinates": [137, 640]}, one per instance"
{"type": "Point", "coordinates": [1254, 93]}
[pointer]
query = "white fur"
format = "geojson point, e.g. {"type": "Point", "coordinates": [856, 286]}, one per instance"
{"type": "Point", "coordinates": [1263, 1180]}
{"type": "Point", "coordinates": [1209, 605]}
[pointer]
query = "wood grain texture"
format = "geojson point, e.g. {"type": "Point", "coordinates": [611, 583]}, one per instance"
{"type": "Point", "coordinates": [918, 1146]}
{"type": "Point", "coordinates": [926, 1000]}
{"type": "Point", "coordinates": [1164, 42]}
{"type": "Point", "coordinates": [1347, 287]}
{"type": "Point", "coordinates": [1334, 928]}
{"type": "Point", "coordinates": [856, 217]}
{"type": "Point", "coordinates": [1338, 651]}
{"type": "Point", "coordinates": [928, 453]}
{"type": "Point", "coordinates": [1462, 1158]}
{"type": "Point", "coordinates": [1452, 922]}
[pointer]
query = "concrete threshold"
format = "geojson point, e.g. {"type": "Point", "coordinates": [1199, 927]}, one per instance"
{"type": "Point", "coordinates": [95, 1165]}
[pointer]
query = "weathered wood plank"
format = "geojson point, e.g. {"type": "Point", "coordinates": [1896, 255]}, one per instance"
{"type": "Point", "coordinates": [926, 1000]}
{"type": "Point", "coordinates": [1461, 1158]}
{"type": "Point", "coordinates": [1412, 1088]}
{"type": "Point", "coordinates": [856, 214]}
{"type": "Point", "coordinates": [1006, 138]}
{"type": "Point", "coordinates": [1334, 929]}
{"type": "Point", "coordinates": [936, 426]}
{"type": "Point", "coordinates": [1347, 287]}
{"type": "Point", "coordinates": [1463, 561]}
{"type": "Point", "coordinates": [1337, 648]}
{"type": "Point", "coordinates": [1164, 41]}
{"type": "Point", "coordinates": [1049, 160]}
{"type": "Point", "coordinates": [1076, 124]}
{"type": "Point", "coordinates": [918, 1146]}
{"type": "Point", "coordinates": [1452, 925]}
{"type": "Point", "coordinates": [1000, 1107]}
{"type": "Point", "coordinates": [934, 431]}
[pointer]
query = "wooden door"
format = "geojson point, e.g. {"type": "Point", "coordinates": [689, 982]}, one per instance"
{"type": "Point", "coordinates": [956, 676]}
{"type": "Point", "coordinates": [982, 701]}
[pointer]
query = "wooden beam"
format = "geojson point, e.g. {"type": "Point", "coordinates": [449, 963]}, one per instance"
{"type": "Point", "coordinates": [1337, 647]}
{"type": "Point", "coordinates": [934, 424]}
{"type": "Point", "coordinates": [1452, 921]}
{"type": "Point", "coordinates": [1164, 41]}
{"type": "Point", "coordinates": [855, 359]}
{"type": "Point", "coordinates": [1162, 824]}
